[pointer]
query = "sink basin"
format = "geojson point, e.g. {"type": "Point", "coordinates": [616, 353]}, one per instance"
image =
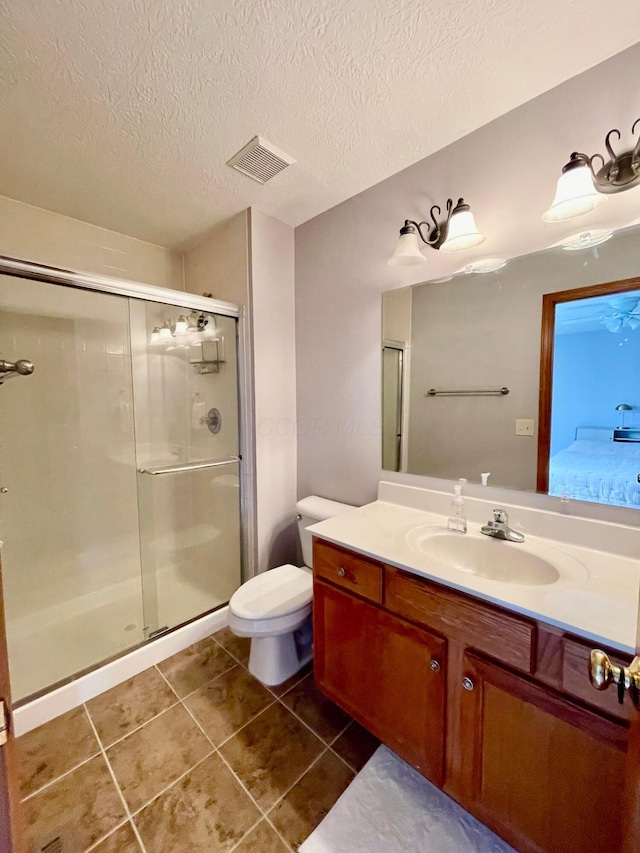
{"type": "Point", "coordinates": [494, 559]}
{"type": "Point", "coordinates": [489, 558]}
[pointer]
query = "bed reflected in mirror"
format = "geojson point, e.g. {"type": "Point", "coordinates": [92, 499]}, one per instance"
{"type": "Point", "coordinates": [589, 439]}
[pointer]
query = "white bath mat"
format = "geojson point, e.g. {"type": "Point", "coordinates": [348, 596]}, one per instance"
{"type": "Point", "coordinates": [390, 808]}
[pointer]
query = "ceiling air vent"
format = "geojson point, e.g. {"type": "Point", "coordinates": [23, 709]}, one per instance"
{"type": "Point", "coordinates": [260, 160]}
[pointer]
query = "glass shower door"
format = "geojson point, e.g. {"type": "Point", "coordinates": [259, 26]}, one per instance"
{"type": "Point", "coordinates": [69, 516]}
{"type": "Point", "coordinates": [185, 380]}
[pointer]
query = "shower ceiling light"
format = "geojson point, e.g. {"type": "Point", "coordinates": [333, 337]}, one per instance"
{"type": "Point", "coordinates": [580, 188]}
{"type": "Point", "coordinates": [455, 233]}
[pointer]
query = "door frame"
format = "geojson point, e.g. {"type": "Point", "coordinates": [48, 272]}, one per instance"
{"type": "Point", "coordinates": [549, 302]}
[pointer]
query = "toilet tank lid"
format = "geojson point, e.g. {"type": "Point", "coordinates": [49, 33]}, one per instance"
{"type": "Point", "coordinates": [321, 508]}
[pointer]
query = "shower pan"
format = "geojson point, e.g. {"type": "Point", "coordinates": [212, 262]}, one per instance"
{"type": "Point", "coordinates": [119, 505]}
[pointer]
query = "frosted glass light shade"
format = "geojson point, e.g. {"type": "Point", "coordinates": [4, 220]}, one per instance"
{"type": "Point", "coordinates": [463, 233]}
{"type": "Point", "coordinates": [182, 325]}
{"type": "Point", "coordinates": [407, 252]}
{"type": "Point", "coordinates": [165, 336]}
{"type": "Point", "coordinates": [210, 330]}
{"type": "Point", "coordinates": [575, 195]}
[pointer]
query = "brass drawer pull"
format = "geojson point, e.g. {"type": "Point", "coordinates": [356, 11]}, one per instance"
{"type": "Point", "coordinates": [467, 683]}
{"type": "Point", "coordinates": [340, 572]}
{"type": "Point", "coordinates": [435, 665]}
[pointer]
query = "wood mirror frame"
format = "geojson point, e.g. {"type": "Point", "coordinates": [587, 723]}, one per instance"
{"type": "Point", "coordinates": [549, 302]}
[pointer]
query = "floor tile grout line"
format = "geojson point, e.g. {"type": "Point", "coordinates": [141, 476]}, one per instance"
{"type": "Point", "coordinates": [213, 637]}
{"type": "Point", "coordinates": [253, 800]}
{"type": "Point", "coordinates": [344, 760]}
{"type": "Point", "coordinates": [247, 833]}
{"type": "Point", "coordinates": [311, 729]}
{"type": "Point", "coordinates": [293, 784]}
{"type": "Point", "coordinates": [202, 686]}
{"type": "Point", "coordinates": [104, 837]}
{"type": "Point", "coordinates": [62, 776]}
{"type": "Point", "coordinates": [135, 813]}
{"type": "Point", "coordinates": [244, 725]}
{"type": "Point", "coordinates": [206, 683]}
{"type": "Point", "coordinates": [289, 689]}
{"type": "Point", "coordinates": [166, 680]}
{"type": "Point", "coordinates": [279, 834]}
{"type": "Point", "coordinates": [137, 728]}
{"type": "Point", "coordinates": [115, 782]}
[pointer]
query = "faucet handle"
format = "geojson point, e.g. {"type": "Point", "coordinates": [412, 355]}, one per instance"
{"type": "Point", "coordinates": [500, 516]}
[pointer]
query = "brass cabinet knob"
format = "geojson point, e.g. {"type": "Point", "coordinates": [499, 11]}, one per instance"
{"type": "Point", "coordinates": [467, 683]}
{"type": "Point", "coordinates": [435, 665]}
{"type": "Point", "coordinates": [602, 672]}
{"type": "Point", "coordinates": [340, 572]}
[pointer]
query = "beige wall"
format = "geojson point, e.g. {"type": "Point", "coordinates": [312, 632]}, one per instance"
{"type": "Point", "coordinates": [273, 304]}
{"type": "Point", "coordinates": [220, 263]}
{"type": "Point", "coordinates": [33, 234]}
{"type": "Point", "coordinates": [249, 260]}
{"type": "Point", "coordinates": [507, 170]}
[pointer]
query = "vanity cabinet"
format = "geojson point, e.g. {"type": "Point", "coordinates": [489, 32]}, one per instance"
{"type": "Point", "coordinates": [493, 707]}
{"type": "Point", "coordinates": [386, 673]}
{"type": "Point", "coordinates": [540, 770]}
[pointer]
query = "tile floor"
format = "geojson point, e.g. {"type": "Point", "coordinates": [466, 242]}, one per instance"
{"type": "Point", "coordinates": [191, 755]}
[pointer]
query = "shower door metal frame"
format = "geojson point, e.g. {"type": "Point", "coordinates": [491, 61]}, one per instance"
{"type": "Point", "coordinates": [181, 299]}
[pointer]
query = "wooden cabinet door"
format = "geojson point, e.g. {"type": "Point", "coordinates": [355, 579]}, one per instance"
{"type": "Point", "coordinates": [544, 773]}
{"type": "Point", "coordinates": [388, 674]}
{"type": "Point", "coordinates": [9, 818]}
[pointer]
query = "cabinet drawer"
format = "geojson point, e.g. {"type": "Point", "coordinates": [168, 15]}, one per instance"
{"type": "Point", "coordinates": [348, 570]}
{"type": "Point", "coordinates": [483, 627]}
{"type": "Point", "coordinates": [575, 679]}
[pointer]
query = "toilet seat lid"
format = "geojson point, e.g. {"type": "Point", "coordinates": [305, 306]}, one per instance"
{"type": "Point", "coordinates": [274, 593]}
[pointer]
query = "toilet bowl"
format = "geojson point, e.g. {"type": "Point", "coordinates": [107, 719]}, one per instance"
{"type": "Point", "coordinates": [274, 607]}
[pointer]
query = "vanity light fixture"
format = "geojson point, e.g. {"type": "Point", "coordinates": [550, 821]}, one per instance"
{"type": "Point", "coordinates": [581, 189]}
{"type": "Point", "coordinates": [456, 232]}
{"type": "Point", "coordinates": [188, 330]}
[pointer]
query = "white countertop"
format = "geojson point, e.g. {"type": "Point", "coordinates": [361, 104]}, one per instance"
{"type": "Point", "coordinates": [597, 600]}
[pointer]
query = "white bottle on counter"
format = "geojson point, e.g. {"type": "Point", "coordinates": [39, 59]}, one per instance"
{"type": "Point", "coordinates": [457, 522]}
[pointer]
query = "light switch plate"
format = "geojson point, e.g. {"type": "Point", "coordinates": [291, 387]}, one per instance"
{"type": "Point", "coordinates": [524, 426]}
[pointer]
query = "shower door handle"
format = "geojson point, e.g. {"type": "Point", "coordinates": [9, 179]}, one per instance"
{"type": "Point", "coordinates": [189, 466]}
{"type": "Point", "coordinates": [9, 369]}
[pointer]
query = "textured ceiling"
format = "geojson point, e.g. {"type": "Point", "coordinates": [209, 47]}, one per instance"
{"type": "Point", "coordinates": [123, 114]}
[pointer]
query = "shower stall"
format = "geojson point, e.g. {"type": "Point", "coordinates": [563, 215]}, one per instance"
{"type": "Point", "coordinates": [120, 471]}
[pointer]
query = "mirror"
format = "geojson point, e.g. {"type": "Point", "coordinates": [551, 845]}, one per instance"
{"type": "Point", "coordinates": [469, 399]}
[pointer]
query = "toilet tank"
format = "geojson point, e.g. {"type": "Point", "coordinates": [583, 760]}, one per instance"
{"type": "Point", "coordinates": [311, 510]}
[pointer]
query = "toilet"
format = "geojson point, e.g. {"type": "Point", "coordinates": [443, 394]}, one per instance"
{"type": "Point", "coordinates": [274, 607]}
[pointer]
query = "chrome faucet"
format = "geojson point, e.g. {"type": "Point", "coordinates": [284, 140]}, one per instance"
{"type": "Point", "coordinates": [499, 528]}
